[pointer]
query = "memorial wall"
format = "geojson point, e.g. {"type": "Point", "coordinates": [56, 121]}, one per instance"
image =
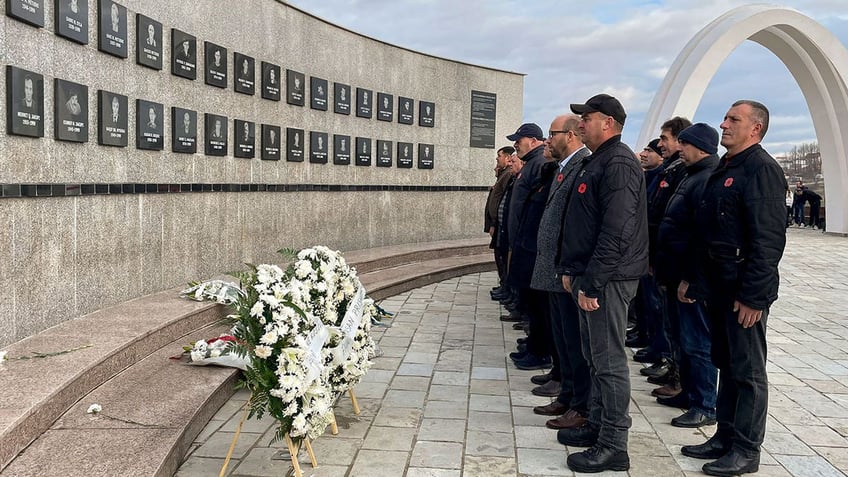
{"type": "Point", "coordinates": [146, 143]}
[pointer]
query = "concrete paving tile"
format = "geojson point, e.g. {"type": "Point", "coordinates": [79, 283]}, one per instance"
{"type": "Point", "coordinates": [808, 466]}
{"type": "Point", "coordinates": [488, 466]}
{"type": "Point", "coordinates": [352, 426]}
{"type": "Point", "coordinates": [500, 444]}
{"type": "Point", "coordinates": [440, 455]}
{"type": "Point", "coordinates": [495, 388]}
{"type": "Point", "coordinates": [446, 409]}
{"type": "Point", "coordinates": [830, 386]}
{"type": "Point", "coordinates": [489, 421]}
{"type": "Point", "coordinates": [837, 456]}
{"type": "Point", "coordinates": [424, 472]}
{"type": "Point", "coordinates": [543, 462]}
{"type": "Point", "coordinates": [204, 466]}
{"type": "Point", "coordinates": [653, 466]}
{"type": "Point", "coordinates": [819, 436]}
{"type": "Point", "coordinates": [649, 444]}
{"type": "Point", "coordinates": [524, 416]}
{"type": "Point", "coordinates": [451, 378]}
{"type": "Point", "coordinates": [536, 437]}
{"type": "Point", "coordinates": [442, 430]}
{"type": "Point", "coordinates": [219, 444]}
{"type": "Point", "coordinates": [372, 463]}
{"type": "Point", "coordinates": [489, 373]}
{"type": "Point", "coordinates": [410, 383]}
{"type": "Point", "coordinates": [524, 398]}
{"type": "Point", "coordinates": [485, 402]}
{"type": "Point", "coordinates": [389, 438]}
{"type": "Point", "coordinates": [415, 369]}
{"type": "Point", "coordinates": [426, 358]}
{"type": "Point", "coordinates": [400, 398]}
{"type": "Point", "coordinates": [376, 375]}
{"type": "Point", "coordinates": [398, 417]}
{"type": "Point", "coordinates": [786, 444]}
{"type": "Point", "coordinates": [386, 363]}
{"type": "Point", "coordinates": [442, 392]}
{"type": "Point", "coordinates": [370, 390]}
{"type": "Point", "coordinates": [393, 351]}
{"type": "Point", "coordinates": [398, 341]}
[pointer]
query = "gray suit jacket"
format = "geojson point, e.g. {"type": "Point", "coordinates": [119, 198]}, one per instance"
{"type": "Point", "coordinates": [544, 274]}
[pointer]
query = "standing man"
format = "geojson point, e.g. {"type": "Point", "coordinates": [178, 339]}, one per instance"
{"type": "Point", "coordinates": [676, 234]}
{"type": "Point", "coordinates": [741, 237]}
{"type": "Point", "coordinates": [603, 253]}
{"type": "Point", "coordinates": [490, 223]}
{"type": "Point", "coordinates": [572, 402]}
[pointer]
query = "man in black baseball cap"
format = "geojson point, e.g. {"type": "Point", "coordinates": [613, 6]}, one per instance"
{"type": "Point", "coordinates": [602, 103]}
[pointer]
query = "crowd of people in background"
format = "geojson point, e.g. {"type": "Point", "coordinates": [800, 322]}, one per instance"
{"type": "Point", "coordinates": [674, 252]}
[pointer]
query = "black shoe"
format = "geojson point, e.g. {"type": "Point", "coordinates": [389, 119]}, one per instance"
{"type": "Point", "coordinates": [635, 339]}
{"type": "Point", "coordinates": [518, 326]}
{"type": "Point", "coordinates": [712, 449]}
{"type": "Point", "coordinates": [659, 368]}
{"type": "Point", "coordinates": [541, 379]}
{"type": "Point", "coordinates": [583, 436]}
{"type": "Point", "coordinates": [499, 296]}
{"type": "Point", "coordinates": [511, 318]}
{"type": "Point", "coordinates": [521, 348]}
{"type": "Point", "coordinates": [733, 463]}
{"type": "Point", "coordinates": [521, 341]}
{"type": "Point", "coordinates": [661, 380]}
{"type": "Point", "coordinates": [598, 458]}
{"type": "Point", "coordinates": [531, 362]}
{"type": "Point", "coordinates": [680, 401]}
{"type": "Point", "coordinates": [646, 355]}
{"type": "Point", "coordinates": [693, 418]}
{"type": "Point", "coordinates": [518, 355]}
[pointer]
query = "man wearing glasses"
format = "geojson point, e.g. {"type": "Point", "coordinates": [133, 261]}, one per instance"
{"type": "Point", "coordinates": [604, 251]}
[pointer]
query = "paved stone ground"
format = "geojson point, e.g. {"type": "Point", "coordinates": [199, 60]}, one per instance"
{"type": "Point", "coordinates": [444, 400]}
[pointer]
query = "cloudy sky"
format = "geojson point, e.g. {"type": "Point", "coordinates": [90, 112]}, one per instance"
{"type": "Point", "coordinates": [571, 50]}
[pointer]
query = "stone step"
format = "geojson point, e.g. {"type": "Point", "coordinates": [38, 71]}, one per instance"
{"type": "Point", "coordinates": [387, 282]}
{"type": "Point", "coordinates": [369, 260]}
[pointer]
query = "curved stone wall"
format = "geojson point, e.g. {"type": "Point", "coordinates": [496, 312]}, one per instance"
{"type": "Point", "coordinates": [88, 225]}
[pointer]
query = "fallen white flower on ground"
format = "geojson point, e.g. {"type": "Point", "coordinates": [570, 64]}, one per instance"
{"type": "Point", "coordinates": [94, 409]}
{"type": "Point", "coordinates": [3, 356]}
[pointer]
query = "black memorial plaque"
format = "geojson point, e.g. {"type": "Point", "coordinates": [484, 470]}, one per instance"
{"type": "Point", "coordinates": [404, 155]}
{"type": "Point", "coordinates": [244, 71]}
{"type": "Point", "coordinates": [384, 153]}
{"type": "Point", "coordinates": [341, 98]}
{"type": "Point", "coordinates": [426, 155]}
{"type": "Point", "coordinates": [72, 20]}
{"type": "Point", "coordinates": [318, 93]}
{"type": "Point", "coordinates": [270, 143]}
{"type": "Point", "coordinates": [27, 11]}
{"type": "Point", "coordinates": [406, 110]}
{"type": "Point", "coordinates": [24, 102]}
{"type": "Point", "coordinates": [216, 64]}
{"type": "Point", "coordinates": [295, 87]}
{"type": "Point", "coordinates": [112, 28]}
{"type": "Point", "coordinates": [364, 97]}
{"type": "Point", "coordinates": [112, 116]}
{"type": "Point", "coordinates": [363, 151]}
{"type": "Point", "coordinates": [271, 81]}
{"type": "Point", "coordinates": [385, 107]}
{"type": "Point", "coordinates": [483, 112]}
{"type": "Point", "coordinates": [148, 42]}
{"type": "Point", "coordinates": [318, 147]}
{"type": "Point", "coordinates": [215, 135]}
{"type": "Point", "coordinates": [183, 54]}
{"type": "Point", "coordinates": [341, 149]}
{"type": "Point", "coordinates": [149, 127]}
{"type": "Point", "coordinates": [426, 114]}
{"type": "Point", "coordinates": [70, 111]}
{"type": "Point", "coordinates": [245, 139]}
{"type": "Point", "coordinates": [183, 130]}
{"type": "Point", "coordinates": [294, 144]}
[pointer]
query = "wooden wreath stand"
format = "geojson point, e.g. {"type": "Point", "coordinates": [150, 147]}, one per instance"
{"type": "Point", "coordinates": [334, 428]}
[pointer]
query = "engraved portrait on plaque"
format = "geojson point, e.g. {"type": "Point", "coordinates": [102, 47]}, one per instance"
{"type": "Point", "coordinates": [245, 139]}
{"type": "Point", "coordinates": [148, 42]}
{"type": "Point", "coordinates": [406, 110]}
{"type": "Point", "coordinates": [215, 135]}
{"type": "Point", "coordinates": [112, 28]}
{"type": "Point", "coordinates": [270, 143]}
{"type": "Point", "coordinates": [216, 64]}
{"type": "Point", "coordinates": [24, 102]}
{"type": "Point", "coordinates": [363, 102]}
{"type": "Point", "coordinates": [183, 130]}
{"type": "Point", "coordinates": [318, 147]}
{"type": "Point", "coordinates": [385, 107]}
{"type": "Point", "coordinates": [425, 156]}
{"type": "Point", "coordinates": [341, 149]}
{"type": "Point", "coordinates": [318, 93]}
{"type": "Point", "coordinates": [426, 114]}
{"type": "Point", "coordinates": [384, 154]}
{"type": "Point", "coordinates": [149, 125]}
{"type": "Point", "coordinates": [183, 54]}
{"type": "Point", "coordinates": [72, 20]}
{"type": "Point", "coordinates": [295, 86]}
{"type": "Point", "coordinates": [112, 118]}
{"type": "Point", "coordinates": [27, 11]}
{"type": "Point", "coordinates": [341, 98]}
{"type": "Point", "coordinates": [404, 155]}
{"type": "Point", "coordinates": [363, 151]}
{"type": "Point", "coordinates": [271, 81]}
{"type": "Point", "coordinates": [294, 143]}
{"type": "Point", "coordinates": [244, 69]}
{"type": "Point", "coordinates": [70, 111]}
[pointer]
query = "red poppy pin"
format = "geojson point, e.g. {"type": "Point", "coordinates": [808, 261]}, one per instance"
{"type": "Point", "coordinates": [663, 184]}
{"type": "Point", "coordinates": [581, 188]}
{"type": "Point", "coordinates": [728, 182]}
{"type": "Point", "coordinates": [560, 177]}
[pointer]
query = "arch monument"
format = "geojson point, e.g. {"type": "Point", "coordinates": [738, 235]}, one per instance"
{"type": "Point", "coordinates": [814, 56]}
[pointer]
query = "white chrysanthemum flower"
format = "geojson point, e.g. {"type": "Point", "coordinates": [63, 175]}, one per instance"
{"type": "Point", "coordinates": [262, 351]}
{"type": "Point", "coordinates": [94, 409]}
{"type": "Point", "coordinates": [258, 309]}
{"type": "Point", "coordinates": [269, 338]}
{"type": "Point", "coordinates": [215, 353]}
{"type": "Point", "coordinates": [299, 423]}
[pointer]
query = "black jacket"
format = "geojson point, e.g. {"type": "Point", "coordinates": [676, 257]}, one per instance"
{"type": "Point", "coordinates": [667, 181]}
{"type": "Point", "coordinates": [526, 179]}
{"type": "Point", "coordinates": [525, 245]}
{"type": "Point", "coordinates": [605, 231]}
{"type": "Point", "coordinates": [741, 230]}
{"type": "Point", "coordinates": [675, 247]}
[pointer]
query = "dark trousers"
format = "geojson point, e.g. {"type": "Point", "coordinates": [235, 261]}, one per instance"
{"type": "Point", "coordinates": [602, 339]}
{"type": "Point", "coordinates": [740, 355]}
{"type": "Point", "coordinates": [698, 374]}
{"type": "Point", "coordinates": [500, 262]}
{"type": "Point", "coordinates": [652, 306]}
{"type": "Point", "coordinates": [574, 370]}
{"type": "Point", "coordinates": [535, 305]}
{"type": "Point", "coordinates": [815, 211]}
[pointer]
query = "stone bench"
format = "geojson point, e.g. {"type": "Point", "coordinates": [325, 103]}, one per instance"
{"type": "Point", "coordinates": [153, 407]}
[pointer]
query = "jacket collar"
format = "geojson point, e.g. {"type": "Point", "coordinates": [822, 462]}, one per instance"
{"type": "Point", "coordinates": [708, 162]}
{"type": "Point", "coordinates": [604, 146]}
{"type": "Point", "coordinates": [737, 160]}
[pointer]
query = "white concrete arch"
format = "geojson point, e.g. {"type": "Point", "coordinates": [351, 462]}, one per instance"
{"type": "Point", "coordinates": [813, 55]}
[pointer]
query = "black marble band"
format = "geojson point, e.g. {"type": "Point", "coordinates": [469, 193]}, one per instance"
{"type": "Point", "coordinates": [65, 190]}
